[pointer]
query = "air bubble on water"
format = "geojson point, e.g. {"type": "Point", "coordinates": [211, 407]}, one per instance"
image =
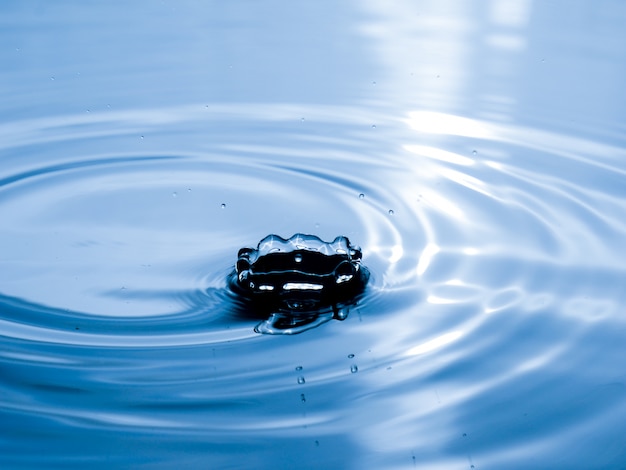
{"type": "Point", "coordinates": [391, 212]}
{"type": "Point", "coordinates": [301, 380]}
{"type": "Point", "coordinates": [354, 369]}
{"type": "Point", "coordinates": [361, 196]}
{"type": "Point", "coordinates": [350, 356]}
{"type": "Point", "coordinates": [223, 206]}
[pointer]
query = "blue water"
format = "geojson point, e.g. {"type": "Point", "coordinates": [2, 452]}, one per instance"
{"type": "Point", "coordinates": [476, 151]}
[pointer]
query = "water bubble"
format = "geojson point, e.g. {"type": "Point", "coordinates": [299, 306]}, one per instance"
{"type": "Point", "coordinates": [350, 356]}
{"type": "Point", "coordinates": [299, 368]}
{"type": "Point", "coordinates": [302, 398]}
{"type": "Point", "coordinates": [391, 212]}
{"type": "Point", "coordinates": [361, 196]}
{"type": "Point", "coordinates": [301, 380]}
{"type": "Point", "coordinates": [223, 206]}
{"type": "Point", "coordinates": [354, 369]}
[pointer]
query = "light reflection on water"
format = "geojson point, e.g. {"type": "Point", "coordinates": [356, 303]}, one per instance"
{"type": "Point", "coordinates": [489, 203]}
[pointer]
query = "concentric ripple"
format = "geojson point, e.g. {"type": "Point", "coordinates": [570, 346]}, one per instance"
{"type": "Point", "coordinates": [492, 252]}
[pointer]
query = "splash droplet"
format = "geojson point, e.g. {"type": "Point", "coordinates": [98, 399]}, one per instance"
{"type": "Point", "coordinates": [174, 194]}
{"type": "Point", "coordinates": [299, 368]}
{"type": "Point", "coordinates": [373, 126]}
{"type": "Point", "coordinates": [361, 196]}
{"type": "Point", "coordinates": [223, 206]}
{"type": "Point", "coordinates": [302, 398]}
{"type": "Point", "coordinates": [354, 369]}
{"type": "Point", "coordinates": [350, 356]}
{"type": "Point", "coordinates": [391, 212]}
{"type": "Point", "coordinates": [298, 258]}
{"type": "Point", "coordinates": [474, 152]}
{"type": "Point", "coordinates": [301, 380]}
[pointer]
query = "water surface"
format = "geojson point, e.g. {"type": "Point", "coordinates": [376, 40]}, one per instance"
{"type": "Point", "coordinates": [474, 150]}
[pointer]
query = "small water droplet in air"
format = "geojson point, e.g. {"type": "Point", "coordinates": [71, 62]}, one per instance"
{"type": "Point", "coordinates": [141, 137]}
{"type": "Point", "coordinates": [350, 356]}
{"type": "Point", "coordinates": [174, 194]}
{"type": "Point", "coordinates": [361, 196]}
{"type": "Point", "coordinates": [301, 119]}
{"type": "Point", "coordinates": [474, 152]}
{"type": "Point", "coordinates": [373, 83]}
{"type": "Point", "coordinates": [299, 368]}
{"type": "Point", "coordinates": [391, 212]}
{"type": "Point", "coordinates": [223, 206]}
{"type": "Point", "coordinates": [301, 380]}
{"type": "Point", "coordinates": [52, 78]}
{"type": "Point", "coordinates": [354, 369]}
{"type": "Point", "coordinates": [188, 190]}
{"type": "Point", "coordinates": [298, 258]}
{"type": "Point", "coordinates": [302, 398]}
{"type": "Point", "coordinates": [373, 126]}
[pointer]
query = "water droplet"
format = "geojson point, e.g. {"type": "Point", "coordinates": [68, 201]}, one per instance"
{"type": "Point", "coordinates": [317, 443]}
{"type": "Point", "coordinates": [354, 369]}
{"type": "Point", "coordinates": [299, 368]}
{"type": "Point", "coordinates": [464, 434]}
{"type": "Point", "coordinates": [52, 78]}
{"type": "Point", "coordinates": [188, 190]}
{"type": "Point", "coordinates": [301, 119]}
{"type": "Point", "coordinates": [302, 398]}
{"type": "Point", "coordinates": [174, 194]}
{"type": "Point", "coordinates": [391, 212]}
{"type": "Point", "coordinates": [373, 126]}
{"type": "Point", "coordinates": [223, 206]}
{"type": "Point", "coordinates": [474, 152]}
{"type": "Point", "coordinates": [298, 258]}
{"type": "Point", "coordinates": [350, 356]}
{"type": "Point", "coordinates": [141, 137]}
{"type": "Point", "coordinates": [301, 380]}
{"type": "Point", "coordinates": [361, 196]}
{"type": "Point", "coordinates": [373, 83]}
